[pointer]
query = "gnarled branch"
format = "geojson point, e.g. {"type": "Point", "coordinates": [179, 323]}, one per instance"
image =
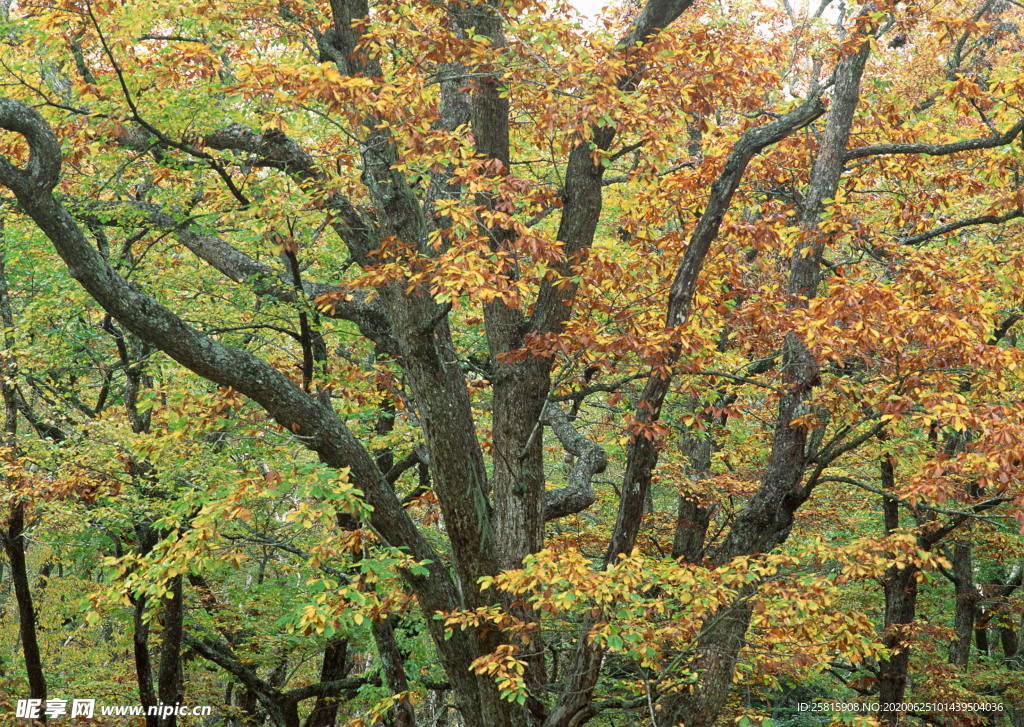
{"type": "Point", "coordinates": [591, 459]}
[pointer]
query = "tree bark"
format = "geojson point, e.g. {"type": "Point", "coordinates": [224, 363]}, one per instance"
{"type": "Point", "coordinates": [169, 675]}
{"type": "Point", "coordinates": [143, 665]}
{"type": "Point", "coordinates": [965, 609]}
{"type": "Point", "coordinates": [900, 585]}
{"type": "Point", "coordinates": [335, 666]}
{"type": "Point", "coordinates": [718, 649]}
{"type": "Point", "coordinates": [394, 672]}
{"type": "Point", "coordinates": [692, 518]}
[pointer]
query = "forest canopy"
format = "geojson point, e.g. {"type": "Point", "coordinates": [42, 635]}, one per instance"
{"type": "Point", "coordinates": [477, 363]}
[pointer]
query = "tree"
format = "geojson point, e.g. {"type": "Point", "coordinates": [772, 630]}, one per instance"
{"type": "Point", "coordinates": [780, 254]}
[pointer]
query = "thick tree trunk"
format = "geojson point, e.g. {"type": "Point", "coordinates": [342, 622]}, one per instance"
{"type": "Point", "coordinates": [900, 586]}
{"type": "Point", "coordinates": [250, 704]}
{"type": "Point", "coordinates": [692, 518]}
{"type": "Point", "coordinates": [335, 666]}
{"type": "Point", "coordinates": [1008, 640]}
{"type": "Point", "coordinates": [718, 649]}
{"type": "Point", "coordinates": [965, 594]}
{"type": "Point", "coordinates": [519, 480]}
{"type": "Point", "coordinates": [169, 676]}
{"type": "Point", "coordinates": [165, 686]}
{"type": "Point", "coordinates": [143, 666]}
{"type": "Point", "coordinates": [981, 637]}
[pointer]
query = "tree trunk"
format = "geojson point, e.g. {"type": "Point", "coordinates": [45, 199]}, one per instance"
{"type": "Point", "coordinates": [14, 545]}
{"type": "Point", "coordinates": [981, 637]}
{"type": "Point", "coordinates": [900, 586]}
{"type": "Point", "coordinates": [394, 672]}
{"type": "Point", "coordinates": [169, 678]}
{"type": "Point", "coordinates": [965, 594]}
{"type": "Point", "coordinates": [692, 518]}
{"type": "Point", "coordinates": [335, 666]}
{"type": "Point", "coordinates": [1008, 640]}
{"type": "Point", "coordinates": [143, 666]}
{"type": "Point", "coordinates": [718, 650]}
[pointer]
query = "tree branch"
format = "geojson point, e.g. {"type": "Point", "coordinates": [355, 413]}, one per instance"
{"type": "Point", "coordinates": [985, 142]}
{"type": "Point", "coordinates": [367, 313]}
{"type": "Point", "coordinates": [960, 224]}
{"type": "Point", "coordinates": [591, 459]}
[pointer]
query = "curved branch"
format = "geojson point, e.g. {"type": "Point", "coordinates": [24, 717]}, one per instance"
{"type": "Point", "coordinates": [273, 149]}
{"type": "Point", "coordinates": [43, 168]}
{"type": "Point", "coordinates": [331, 688]}
{"type": "Point", "coordinates": [280, 705]}
{"type": "Point", "coordinates": [591, 459]}
{"type": "Point", "coordinates": [221, 655]}
{"type": "Point", "coordinates": [973, 512]}
{"type": "Point", "coordinates": [584, 392]}
{"type": "Point", "coordinates": [1003, 328]}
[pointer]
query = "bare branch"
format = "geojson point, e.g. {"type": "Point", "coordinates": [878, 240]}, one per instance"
{"type": "Point", "coordinates": [591, 459]}
{"type": "Point", "coordinates": [985, 142]}
{"type": "Point", "coordinates": [960, 224]}
{"type": "Point", "coordinates": [973, 512]}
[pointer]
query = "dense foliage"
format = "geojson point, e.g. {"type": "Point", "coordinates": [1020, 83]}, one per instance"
{"type": "Point", "coordinates": [473, 363]}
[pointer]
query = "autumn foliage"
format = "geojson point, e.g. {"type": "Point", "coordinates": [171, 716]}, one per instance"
{"type": "Point", "coordinates": [484, 364]}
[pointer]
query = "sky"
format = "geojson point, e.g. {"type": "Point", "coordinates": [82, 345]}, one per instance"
{"type": "Point", "coordinates": [590, 8]}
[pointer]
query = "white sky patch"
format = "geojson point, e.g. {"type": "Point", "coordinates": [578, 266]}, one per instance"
{"type": "Point", "coordinates": [590, 8]}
